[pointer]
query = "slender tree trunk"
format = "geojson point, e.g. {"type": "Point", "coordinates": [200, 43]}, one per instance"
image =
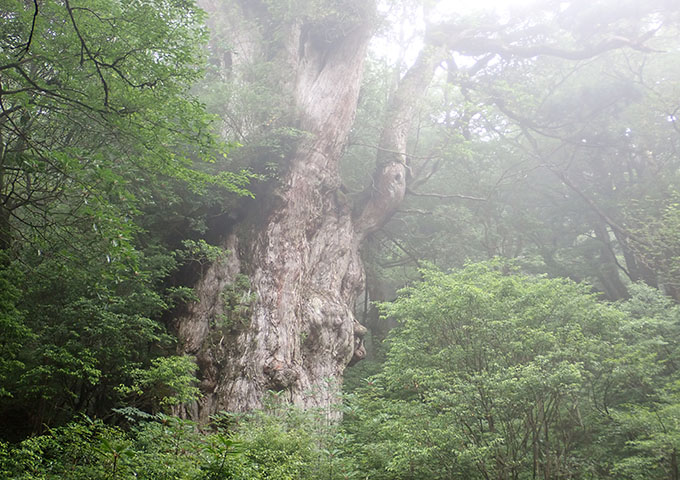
{"type": "Point", "coordinates": [376, 291]}
{"type": "Point", "coordinates": [5, 214]}
{"type": "Point", "coordinates": [608, 271]}
{"type": "Point", "coordinates": [674, 465]}
{"type": "Point", "coordinates": [5, 228]}
{"type": "Point", "coordinates": [638, 270]}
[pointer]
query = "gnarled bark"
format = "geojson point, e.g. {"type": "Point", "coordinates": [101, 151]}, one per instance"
{"type": "Point", "coordinates": [289, 327]}
{"type": "Point", "coordinates": [277, 312]}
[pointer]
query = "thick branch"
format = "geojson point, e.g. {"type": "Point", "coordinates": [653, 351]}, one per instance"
{"type": "Point", "coordinates": [382, 198]}
{"type": "Point", "coordinates": [483, 46]}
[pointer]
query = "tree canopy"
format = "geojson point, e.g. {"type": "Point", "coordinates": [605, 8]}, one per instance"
{"type": "Point", "coordinates": [99, 134]}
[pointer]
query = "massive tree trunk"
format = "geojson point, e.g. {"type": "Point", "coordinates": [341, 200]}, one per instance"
{"type": "Point", "coordinates": [277, 312]}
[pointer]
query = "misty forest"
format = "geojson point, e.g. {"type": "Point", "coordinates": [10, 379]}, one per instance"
{"type": "Point", "coordinates": [340, 239]}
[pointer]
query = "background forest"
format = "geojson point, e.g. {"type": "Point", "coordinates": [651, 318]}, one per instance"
{"type": "Point", "coordinates": [519, 292]}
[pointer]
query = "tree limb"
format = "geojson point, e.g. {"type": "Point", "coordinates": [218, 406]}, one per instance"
{"type": "Point", "coordinates": [483, 46]}
{"type": "Point", "coordinates": [445, 196]}
{"type": "Point", "coordinates": [27, 45]}
{"type": "Point", "coordinates": [84, 46]}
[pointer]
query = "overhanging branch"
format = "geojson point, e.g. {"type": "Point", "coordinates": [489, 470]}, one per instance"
{"type": "Point", "coordinates": [445, 196]}
{"type": "Point", "coordinates": [476, 46]}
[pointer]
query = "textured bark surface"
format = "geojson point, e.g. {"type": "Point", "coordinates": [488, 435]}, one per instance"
{"type": "Point", "coordinates": [277, 312]}
{"type": "Point", "coordinates": [388, 187]}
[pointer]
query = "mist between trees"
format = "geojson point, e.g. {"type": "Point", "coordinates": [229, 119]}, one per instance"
{"type": "Point", "coordinates": [339, 239]}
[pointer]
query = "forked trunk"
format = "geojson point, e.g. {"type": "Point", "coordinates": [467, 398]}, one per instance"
{"type": "Point", "coordinates": [277, 312]}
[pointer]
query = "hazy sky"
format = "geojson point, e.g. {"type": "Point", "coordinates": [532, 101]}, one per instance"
{"type": "Point", "coordinates": [447, 6]}
{"type": "Point", "coordinates": [413, 24]}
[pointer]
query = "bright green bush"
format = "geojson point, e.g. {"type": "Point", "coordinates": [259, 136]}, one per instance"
{"type": "Point", "coordinates": [282, 443]}
{"type": "Point", "coordinates": [500, 375]}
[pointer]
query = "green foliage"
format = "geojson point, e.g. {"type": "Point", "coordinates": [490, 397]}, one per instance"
{"type": "Point", "coordinates": [658, 221]}
{"type": "Point", "coordinates": [574, 161]}
{"type": "Point", "coordinates": [161, 447]}
{"type": "Point", "coordinates": [649, 426]}
{"type": "Point", "coordinates": [108, 173]}
{"type": "Point", "coordinates": [237, 300]}
{"type": "Point", "coordinates": [280, 442]}
{"type": "Point", "coordinates": [201, 251]}
{"type": "Point", "coordinates": [96, 104]}
{"type": "Point", "coordinates": [15, 334]}
{"type": "Point", "coordinates": [284, 442]}
{"type": "Point", "coordinates": [491, 374]}
{"type": "Point", "coordinates": [654, 438]}
{"type": "Point", "coordinates": [168, 381]}
{"type": "Point", "coordinates": [502, 375]}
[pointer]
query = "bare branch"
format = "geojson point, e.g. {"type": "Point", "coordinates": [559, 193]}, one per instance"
{"type": "Point", "coordinates": [446, 196]}
{"type": "Point", "coordinates": [387, 150]}
{"type": "Point", "coordinates": [416, 211]}
{"type": "Point", "coordinates": [483, 46]}
{"type": "Point", "coordinates": [15, 64]}
{"type": "Point", "coordinates": [601, 213]}
{"type": "Point", "coordinates": [401, 247]}
{"type": "Point", "coordinates": [27, 45]}
{"type": "Point", "coordinates": [85, 48]}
